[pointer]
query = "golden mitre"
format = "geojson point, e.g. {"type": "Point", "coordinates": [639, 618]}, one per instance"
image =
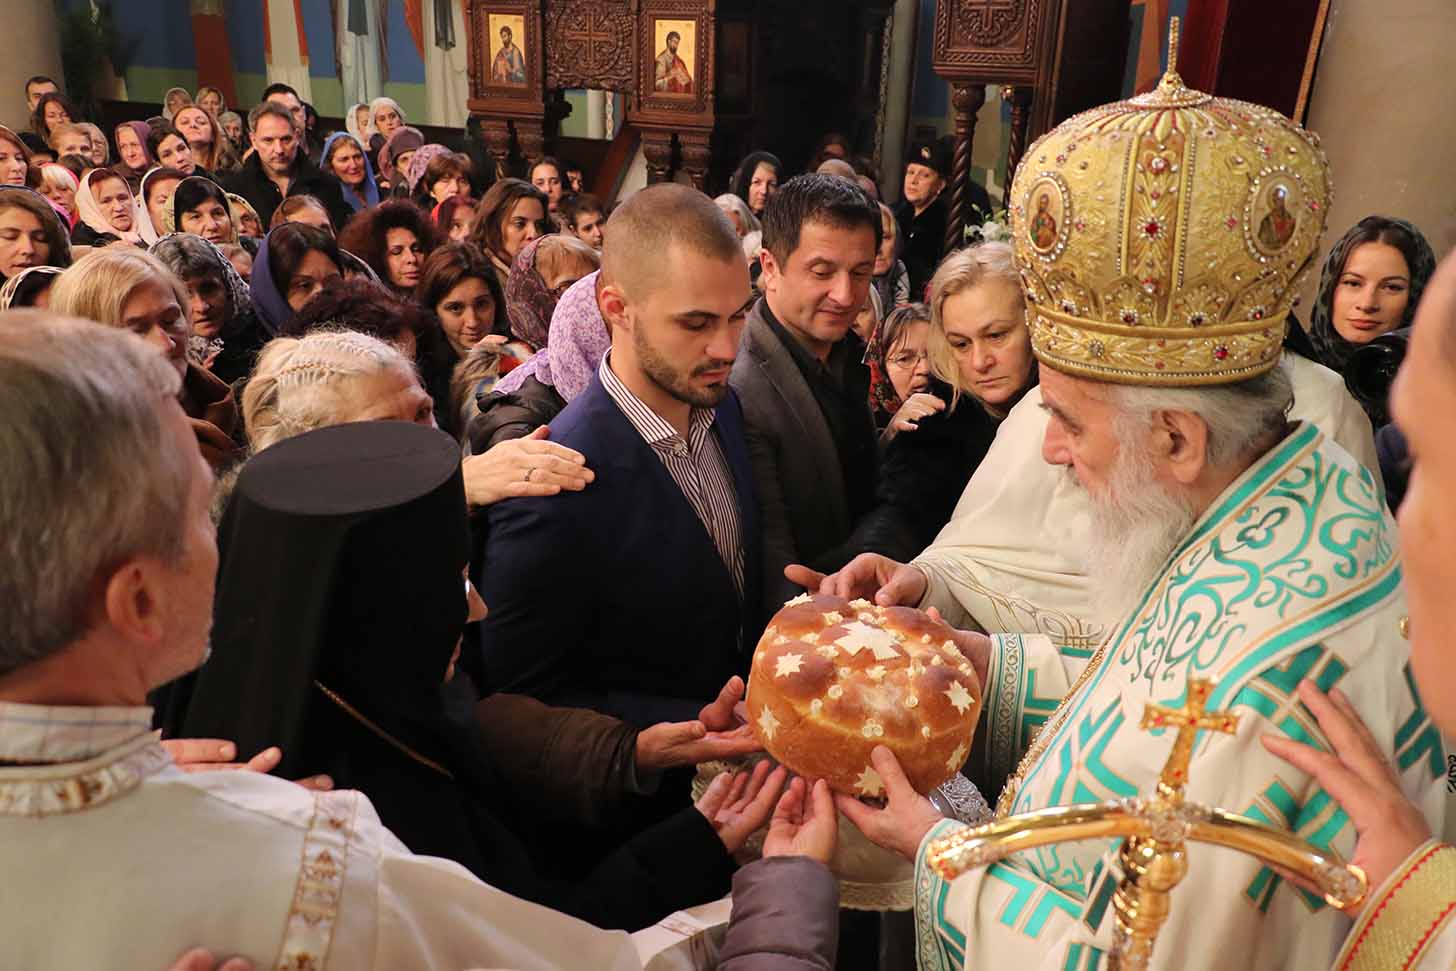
{"type": "Point", "coordinates": [1162, 240]}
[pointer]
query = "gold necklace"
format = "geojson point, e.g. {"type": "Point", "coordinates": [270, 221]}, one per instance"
{"type": "Point", "coordinates": [359, 717]}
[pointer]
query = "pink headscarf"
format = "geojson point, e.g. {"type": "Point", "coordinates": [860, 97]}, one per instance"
{"type": "Point", "coordinates": [420, 161]}
{"type": "Point", "coordinates": [575, 346]}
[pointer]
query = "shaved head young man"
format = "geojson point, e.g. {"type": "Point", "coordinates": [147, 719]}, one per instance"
{"type": "Point", "coordinates": [657, 559]}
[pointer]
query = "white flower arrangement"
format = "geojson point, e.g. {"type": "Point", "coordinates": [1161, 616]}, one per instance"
{"type": "Point", "coordinates": [987, 227]}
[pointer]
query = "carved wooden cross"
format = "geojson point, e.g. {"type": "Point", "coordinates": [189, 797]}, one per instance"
{"type": "Point", "coordinates": [1188, 719]}
{"type": "Point", "coordinates": [987, 11]}
{"type": "Point", "coordinates": [593, 32]}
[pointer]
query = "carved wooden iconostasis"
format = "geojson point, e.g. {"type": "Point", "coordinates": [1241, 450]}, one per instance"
{"type": "Point", "coordinates": [704, 81]}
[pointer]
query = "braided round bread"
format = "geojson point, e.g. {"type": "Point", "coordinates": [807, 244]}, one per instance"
{"type": "Point", "coordinates": [833, 678]}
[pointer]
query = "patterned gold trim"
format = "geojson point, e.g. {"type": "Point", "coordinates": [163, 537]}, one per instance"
{"type": "Point", "coordinates": [1406, 915]}
{"type": "Point", "coordinates": [309, 931]}
{"type": "Point", "coordinates": [69, 787]}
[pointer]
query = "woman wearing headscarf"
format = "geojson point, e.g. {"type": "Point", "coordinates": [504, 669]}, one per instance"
{"type": "Point", "coordinates": [100, 151]}
{"type": "Point", "coordinates": [357, 123]}
{"type": "Point", "coordinates": [200, 206]}
{"type": "Point", "coordinates": [435, 166]}
{"type": "Point", "coordinates": [107, 208]}
{"type": "Point", "coordinates": [353, 539]}
{"type": "Point", "coordinates": [15, 166]}
{"type": "Point", "coordinates": [29, 288]}
{"type": "Point", "coordinates": [385, 118]}
{"type": "Point", "coordinates": [539, 276]}
{"type": "Point", "coordinates": [293, 264]}
{"type": "Point", "coordinates": [533, 394]}
{"type": "Point", "coordinates": [155, 197]}
{"type": "Point", "coordinates": [757, 179]}
{"type": "Point", "coordinates": [134, 156]}
{"type": "Point", "coordinates": [174, 101]}
{"type": "Point", "coordinates": [221, 304]}
{"type": "Point", "coordinates": [345, 159]}
{"type": "Point", "coordinates": [31, 234]}
{"type": "Point", "coordinates": [245, 221]}
{"type": "Point", "coordinates": [395, 157]}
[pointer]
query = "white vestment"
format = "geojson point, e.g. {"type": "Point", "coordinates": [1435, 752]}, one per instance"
{"type": "Point", "coordinates": [1290, 574]}
{"type": "Point", "coordinates": [447, 79]}
{"type": "Point", "coordinates": [114, 858]}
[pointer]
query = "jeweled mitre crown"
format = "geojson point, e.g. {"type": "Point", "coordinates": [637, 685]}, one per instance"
{"type": "Point", "coordinates": [1162, 240]}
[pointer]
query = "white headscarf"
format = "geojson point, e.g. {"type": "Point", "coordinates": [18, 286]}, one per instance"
{"type": "Point", "coordinates": [374, 107]}
{"type": "Point", "coordinates": [150, 233]}
{"type": "Point", "coordinates": [351, 123]}
{"type": "Point", "coordinates": [90, 213]}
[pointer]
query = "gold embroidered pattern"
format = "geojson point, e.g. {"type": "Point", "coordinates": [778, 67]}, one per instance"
{"type": "Point", "coordinates": [1406, 915]}
{"type": "Point", "coordinates": [47, 790]}
{"type": "Point", "coordinates": [309, 930]}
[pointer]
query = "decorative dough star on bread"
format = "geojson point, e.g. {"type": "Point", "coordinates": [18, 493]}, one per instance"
{"type": "Point", "coordinates": [857, 637]}
{"type": "Point", "coordinates": [788, 664]}
{"type": "Point", "coordinates": [767, 722]}
{"type": "Point", "coordinates": [957, 759]}
{"type": "Point", "coordinates": [802, 598]}
{"type": "Point", "coordinates": [869, 782]}
{"type": "Point", "coordinates": [959, 696]}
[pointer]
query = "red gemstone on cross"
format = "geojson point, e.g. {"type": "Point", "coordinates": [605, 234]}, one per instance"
{"type": "Point", "coordinates": [1220, 353]}
{"type": "Point", "coordinates": [1152, 228]}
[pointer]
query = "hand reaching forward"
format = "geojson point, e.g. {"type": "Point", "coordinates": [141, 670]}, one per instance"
{"type": "Point", "coordinates": [739, 804]}
{"type": "Point", "coordinates": [1388, 826]}
{"type": "Point", "coordinates": [805, 823]}
{"type": "Point", "coordinates": [907, 815]}
{"type": "Point", "coordinates": [529, 466]}
{"type": "Point", "coordinates": [868, 576]}
{"type": "Point", "coordinates": [916, 407]}
{"type": "Point", "coordinates": [201, 959]}
{"type": "Point", "coordinates": [975, 646]}
{"type": "Point", "coordinates": [719, 733]}
{"type": "Point", "coordinates": [217, 755]}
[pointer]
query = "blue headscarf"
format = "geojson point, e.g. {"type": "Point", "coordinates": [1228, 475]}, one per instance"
{"type": "Point", "coordinates": [269, 303]}
{"type": "Point", "coordinates": [371, 187]}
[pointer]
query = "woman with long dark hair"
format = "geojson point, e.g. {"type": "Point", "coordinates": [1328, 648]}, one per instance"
{"type": "Point", "coordinates": [394, 238]}
{"type": "Point", "coordinates": [512, 214]}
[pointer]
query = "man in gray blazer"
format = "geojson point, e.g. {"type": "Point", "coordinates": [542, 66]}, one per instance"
{"type": "Point", "coordinates": [801, 378]}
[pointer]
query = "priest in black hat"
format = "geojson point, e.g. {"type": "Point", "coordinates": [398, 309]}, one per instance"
{"type": "Point", "coordinates": [921, 212]}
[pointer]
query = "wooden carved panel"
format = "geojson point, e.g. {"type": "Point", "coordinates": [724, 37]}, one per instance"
{"type": "Point", "coordinates": [995, 38]}
{"type": "Point", "coordinates": [590, 45]}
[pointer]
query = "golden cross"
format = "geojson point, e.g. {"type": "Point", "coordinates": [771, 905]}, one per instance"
{"type": "Point", "coordinates": [1188, 719]}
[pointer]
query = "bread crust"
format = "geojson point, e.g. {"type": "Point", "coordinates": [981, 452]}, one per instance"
{"type": "Point", "coordinates": [834, 678]}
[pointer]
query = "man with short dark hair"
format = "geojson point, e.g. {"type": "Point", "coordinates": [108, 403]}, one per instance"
{"type": "Point", "coordinates": [638, 597]}
{"type": "Point", "coordinates": [38, 87]}
{"type": "Point", "coordinates": [279, 168]}
{"type": "Point", "coordinates": [583, 214]}
{"type": "Point", "coordinates": [802, 380]}
{"type": "Point", "coordinates": [282, 94]}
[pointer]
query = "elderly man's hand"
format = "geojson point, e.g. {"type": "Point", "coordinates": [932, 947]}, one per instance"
{"type": "Point", "coordinates": [907, 815]}
{"type": "Point", "coordinates": [529, 466]}
{"type": "Point", "coordinates": [1388, 826]}
{"type": "Point", "coordinates": [217, 755]}
{"type": "Point", "coordinates": [868, 576]}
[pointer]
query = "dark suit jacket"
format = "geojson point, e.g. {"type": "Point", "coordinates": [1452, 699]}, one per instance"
{"type": "Point", "coordinates": [253, 184]}
{"type": "Point", "coordinates": [614, 598]}
{"type": "Point", "coordinates": [796, 467]}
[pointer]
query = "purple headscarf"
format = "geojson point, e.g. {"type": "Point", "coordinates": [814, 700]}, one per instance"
{"type": "Point", "coordinates": [421, 161]}
{"type": "Point", "coordinates": [271, 305]}
{"type": "Point", "coordinates": [529, 304]}
{"type": "Point", "coordinates": [575, 345]}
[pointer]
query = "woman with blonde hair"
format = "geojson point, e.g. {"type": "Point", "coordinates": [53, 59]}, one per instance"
{"type": "Point", "coordinates": [130, 288]}
{"type": "Point", "coordinates": [59, 187]}
{"type": "Point", "coordinates": [100, 155]}
{"type": "Point", "coordinates": [977, 347]}
{"type": "Point", "coordinates": [205, 138]}
{"type": "Point", "coordinates": [211, 99]}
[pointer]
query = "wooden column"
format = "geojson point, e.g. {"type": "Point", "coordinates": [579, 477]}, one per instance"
{"type": "Point", "coordinates": [531, 134]}
{"type": "Point", "coordinates": [657, 147]}
{"type": "Point", "coordinates": [966, 100]}
{"type": "Point", "coordinates": [695, 157]}
{"type": "Point", "coordinates": [1020, 98]}
{"type": "Point", "coordinates": [497, 134]}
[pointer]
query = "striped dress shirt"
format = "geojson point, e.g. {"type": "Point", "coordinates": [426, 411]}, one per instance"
{"type": "Point", "coordinates": [697, 465]}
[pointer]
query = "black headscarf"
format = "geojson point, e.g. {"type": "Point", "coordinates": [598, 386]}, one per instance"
{"type": "Point", "coordinates": [340, 600]}
{"type": "Point", "coordinates": [192, 192]}
{"type": "Point", "coordinates": [744, 176]}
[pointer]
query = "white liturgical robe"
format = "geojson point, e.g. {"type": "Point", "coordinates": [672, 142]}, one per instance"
{"type": "Point", "coordinates": [114, 858]}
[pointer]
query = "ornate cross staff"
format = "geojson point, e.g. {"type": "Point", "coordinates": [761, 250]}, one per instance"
{"type": "Point", "coordinates": [1153, 855]}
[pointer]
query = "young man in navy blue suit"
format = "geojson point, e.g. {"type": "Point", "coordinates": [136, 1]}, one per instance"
{"type": "Point", "coordinates": [640, 596]}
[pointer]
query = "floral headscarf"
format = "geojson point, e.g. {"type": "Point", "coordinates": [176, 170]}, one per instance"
{"type": "Point", "coordinates": [529, 304]}
{"type": "Point", "coordinates": [884, 401]}
{"type": "Point", "coordinates": [421, 161]}
{"type": "Point", "coordinates": [179, 251]}
{"type": "Point", "coordinates": [578, 340]}
{"type": "Point", "coordinates": [1332, 349]}
{"type": "Point", "coordinates": [12, 286]}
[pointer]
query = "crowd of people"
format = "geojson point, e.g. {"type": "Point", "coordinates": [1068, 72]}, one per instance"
{"type": "Point", "coordinates": [459, 504]}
